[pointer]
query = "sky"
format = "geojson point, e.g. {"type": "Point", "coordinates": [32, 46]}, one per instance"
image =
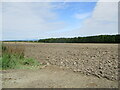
{"type": "Point", "coordinates": [39, 20]}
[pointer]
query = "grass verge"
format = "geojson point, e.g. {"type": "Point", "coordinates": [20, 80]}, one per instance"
{"type": "Point", "coordinates": [16, 61]}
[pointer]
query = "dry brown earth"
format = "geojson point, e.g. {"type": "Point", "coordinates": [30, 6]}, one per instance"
{"type": "Point", "coordinates": [53, 77]}
{"type": "Point", "coordinates": [99, 60]}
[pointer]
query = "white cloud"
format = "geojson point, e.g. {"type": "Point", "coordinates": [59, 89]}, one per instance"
{"type": "Point", "coordinates": [51, 0]}
{"type": "Point", "coordinates": [82, 16]}
{"type": "Point", "coordinates": [28, 20]}
{"type": "Point", "coordinates": [104, 20]}
{"type": "Point", "coordinates": [59, 0]}
{"type": "Point", "coordinates": [60, 5]}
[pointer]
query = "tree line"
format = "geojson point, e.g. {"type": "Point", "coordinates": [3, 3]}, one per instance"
{"type": "Point", "coordinates": [88, 39]}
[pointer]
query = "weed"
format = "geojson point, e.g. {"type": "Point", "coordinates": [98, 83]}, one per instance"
{"type": "Point", "coordinates": [16, 61]}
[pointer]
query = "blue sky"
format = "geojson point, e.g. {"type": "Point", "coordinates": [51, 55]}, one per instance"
{"type": "Point", "coordinates": [33, 20]}
{"type": "Point", "coordinates": [74, 13]}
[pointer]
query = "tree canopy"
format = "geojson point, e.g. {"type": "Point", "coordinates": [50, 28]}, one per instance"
{"type": "Point", "coordinates": [88, 39]}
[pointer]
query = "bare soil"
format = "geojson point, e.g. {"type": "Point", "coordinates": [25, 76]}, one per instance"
{"type": "Point", "coordinates": [53, 77]}
{"type": "Point", "coordinates": [69, 65]}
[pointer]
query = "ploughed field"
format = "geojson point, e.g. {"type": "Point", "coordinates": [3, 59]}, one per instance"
{"type": "Point", "coordinates": [96, 60]}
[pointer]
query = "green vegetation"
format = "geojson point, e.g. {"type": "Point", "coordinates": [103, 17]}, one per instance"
{"type": "Point", "coordinates": [89, 39]}
{"type": "Point", "coordinates": [15, 61]}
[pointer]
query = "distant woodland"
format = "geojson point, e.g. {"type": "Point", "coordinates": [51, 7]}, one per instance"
{"type": "Point", "coordinates": [88, 39]}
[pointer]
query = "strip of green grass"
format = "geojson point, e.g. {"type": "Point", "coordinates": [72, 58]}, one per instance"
{"type": "Point", "coordinates": [14, 61]}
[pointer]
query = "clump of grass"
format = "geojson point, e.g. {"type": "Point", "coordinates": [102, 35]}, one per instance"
{"type": "Point", "coordinates": [16, 61]}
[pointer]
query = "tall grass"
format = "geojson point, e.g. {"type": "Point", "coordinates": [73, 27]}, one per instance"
{"type": "Point", "coordinates": [16, 61]}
